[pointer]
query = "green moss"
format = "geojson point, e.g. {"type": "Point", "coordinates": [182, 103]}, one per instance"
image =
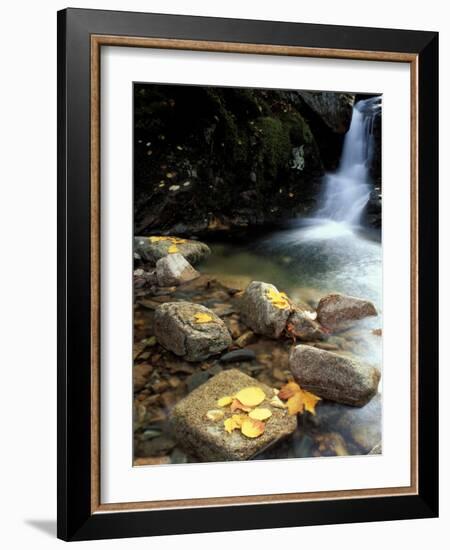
{"type": "Point", "coordinates": [275, 145]}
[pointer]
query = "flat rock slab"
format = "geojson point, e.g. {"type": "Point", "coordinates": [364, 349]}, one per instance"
{"type": "Point", "coordinates": [177, 328]}
{"type": "Point", "coordinates": [207, 440]}
{"type": "Point", "coordinates": [333, 377]}
{"type": "Point", "coordinates": [174, 270]}
{"type": "Point", "coordinates": [259, 313]}
{"type": "Point", "coordinates": [338, 311]}
{"type": "Point", "coordinates": [151, 249]}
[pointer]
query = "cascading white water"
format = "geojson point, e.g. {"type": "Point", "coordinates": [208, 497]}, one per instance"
{"type": "Point", "coordinates": [348, 189]}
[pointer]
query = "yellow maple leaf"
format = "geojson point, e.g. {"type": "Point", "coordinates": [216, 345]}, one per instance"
{"type": "Point", "coordinates": [224, 401]}
{"type": "Point", "coordinates": [252, 428]}
{"type": "Point", "coordinates": [277, 299]}
{"type": "Point", "coordinates": [310, 401]}
{"type": "Point", "coordinates": [260, 414]}
{"type": "Point", "coordinates": [288, 390]}
{"type": "Point", "coordinates": [201, 318]}
{"type": "Point", "coordinates": [295, 404]}
{"type": "Point", "coordinates": [251, 396]}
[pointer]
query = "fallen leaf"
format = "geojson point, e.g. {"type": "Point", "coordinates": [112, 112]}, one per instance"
{"type": "Point", "coordinates": [173, 248]}
{"type": "Point", "coordinates": [260, 414]}
{"type": "Point", "coordinates": [252, 428]}
{"type": "Point", "coordinates": [233, 423]}
{"type": "Point", "coordinates": [288, 390]}
{"type": "Point", "coordinates": [251, 397]}
{"type": "Point", "coordinates": [201, 318]}
{"type": "Point", "coordinates": [224, 401]}
{"type": "Point", "coordinates": [295, 404]}
{"type": "Point", "coordinates": [310, 401]}
{"type": "Point", "coordinates": [236, 405]}
{"type": "Point", "coordinates": [215, 415]}
{"type": "Point", "coordinates": [277, 299]}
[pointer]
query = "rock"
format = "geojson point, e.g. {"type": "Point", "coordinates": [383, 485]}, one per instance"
{"type": "Point", "coordinates": [245, 339]}
{"type": "Point", "coordinates": [140, 375]}
{"type": "Point", "coordinates": [335, 109]}
{"type": "Point", "coordinates": [333, 377]}
{"type": "Point", "coordinates": [207, 440]}
{"type": "Point", "coordinates": [338, 311]}
{"type": "Point", "coordinates": [178, 330]}
{"type": "Point", "coordinates": [150, 252]}
{"type": "Point", "coordinates": [196, 379]}
{"type": "Point", "coordinates": [376, 450]}
{"type": "Point", "coordinates": [238, 355]}
{"type": "Point", "coordinates": [174, 269]}
{"type": "Point", "coordinates": [152, 461]}
{"type": "Point", "coordinates": [260, 314]}
{"type": "Point", "coordinates": [142, 278]}
{"type": "Point", "coordinates": [155, 447]}
{"type": "Point", "coordinates": [302, 326]}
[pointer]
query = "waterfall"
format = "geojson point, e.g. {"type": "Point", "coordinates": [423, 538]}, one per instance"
{"type": "Point", "coordinates": [347, 190]}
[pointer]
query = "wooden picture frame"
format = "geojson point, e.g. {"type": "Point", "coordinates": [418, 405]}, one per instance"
{"type": "Point", "coordinates": [81, 35]}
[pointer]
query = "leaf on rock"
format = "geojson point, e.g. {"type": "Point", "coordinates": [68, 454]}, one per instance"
{"type": "Point", "coordinates": [260, 414]}
{"type": "Point", "coordinates": [234, 422]}
{"type": "Point", "coordinates": [278, 299]}
{"type": "Point", "coordinates": [295, 404]}
{"type": "Point", "coordinates": [277, 403]}
{"type": "Point", "coordinates": [288, 390]}
{"type": "Point", "coordinates": [224, 401]}
{"type": "Point", "coordinates": [201, 318]}
{"type": "Point", "coordinates": [298, 400]}
{"type": "Point", "coordinates": [173, 248]}
{"type": "Point", "coordinates": [236, 405]}
{"type": "Point", "coordinates": [310, 401]}
{"type": "Point", "coordinates": [251, 396]}
{"type": "Point", "coordinates": [215, 415]}
{"type": "Point", "coordinates": [252, 428]}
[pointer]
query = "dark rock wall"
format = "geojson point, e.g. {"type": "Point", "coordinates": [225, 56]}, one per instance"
{"type": "Point", "coordinates": [211, 159]}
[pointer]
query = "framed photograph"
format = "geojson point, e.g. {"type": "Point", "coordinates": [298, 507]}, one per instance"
{"type": "Point", "coordinates": [247, 274]}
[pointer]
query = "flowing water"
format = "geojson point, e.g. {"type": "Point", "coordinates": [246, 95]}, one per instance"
{"type": "Point", "coordinates": [328, 252]}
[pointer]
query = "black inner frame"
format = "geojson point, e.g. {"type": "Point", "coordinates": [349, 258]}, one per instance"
{"type": "Point", "coordinates": [75, 521]}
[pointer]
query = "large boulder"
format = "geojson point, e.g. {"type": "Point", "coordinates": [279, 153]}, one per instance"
{"type": "Point", "coordinates": [335, 109]}
{"type": "Point", "coordinates": [264, 309]}
{"type": "Point", "coordinates": [206, 439]}
{"type": "Point", "coordinates": [151, 249]}
{"type": "Point", "coordinates": [174, 269]}
{"type": "Point", "coordinates": [338, 311]}
{"type": "Point", "coordinates": [333, 377]}
{"type": "Point", "coordinates": [190, 330]}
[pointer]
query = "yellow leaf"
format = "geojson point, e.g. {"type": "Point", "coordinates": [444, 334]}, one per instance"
{"type": "Point", "coordinates": [288, 390]}
{"type": "Point", "coordinates": [277, 299]}
{"type": "Point", "coordinates": [251, 397]}
{"type": "Point", "coordinates": [233, 423]}
{"type": "Point", "coordinates": [173, 248]}
{"type": "Point", "coordinates": [295, 404]}
{"type": "Point", "coordinates": [252, 428]}
{"type": "Point", "coordinates": [310, 401]}
{"type": "Point", "coordinates": [260, 414]}
{"type": "Point", "coordinates": [215, 415]}
{"type": "Point", "coordinates": [201, 318]}
{"type": "Point", "coordinates": [157, 239]}
{"type": "Point", "coordinates": [224, 401]}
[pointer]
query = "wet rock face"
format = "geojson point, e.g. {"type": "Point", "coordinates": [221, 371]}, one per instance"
{"type": "Point", "coordinates": [190, 330]}
{"type": "Point", "coordinates": [333, 108]}
{"type": "Point", "coordinates": [301, 325]}
{"type": "Point", "coordinates": [338, 311]}
{"type": "Point", "coordinates": [174, 269]}
{"type": "Point", "coordinates": [207, 440]}
{"type": "Point", "coordinates": [150, 252]}
{"type": "Point", "coordinates": [260, 313]}
{"type": "Point", "coordinates": [333, 377]}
